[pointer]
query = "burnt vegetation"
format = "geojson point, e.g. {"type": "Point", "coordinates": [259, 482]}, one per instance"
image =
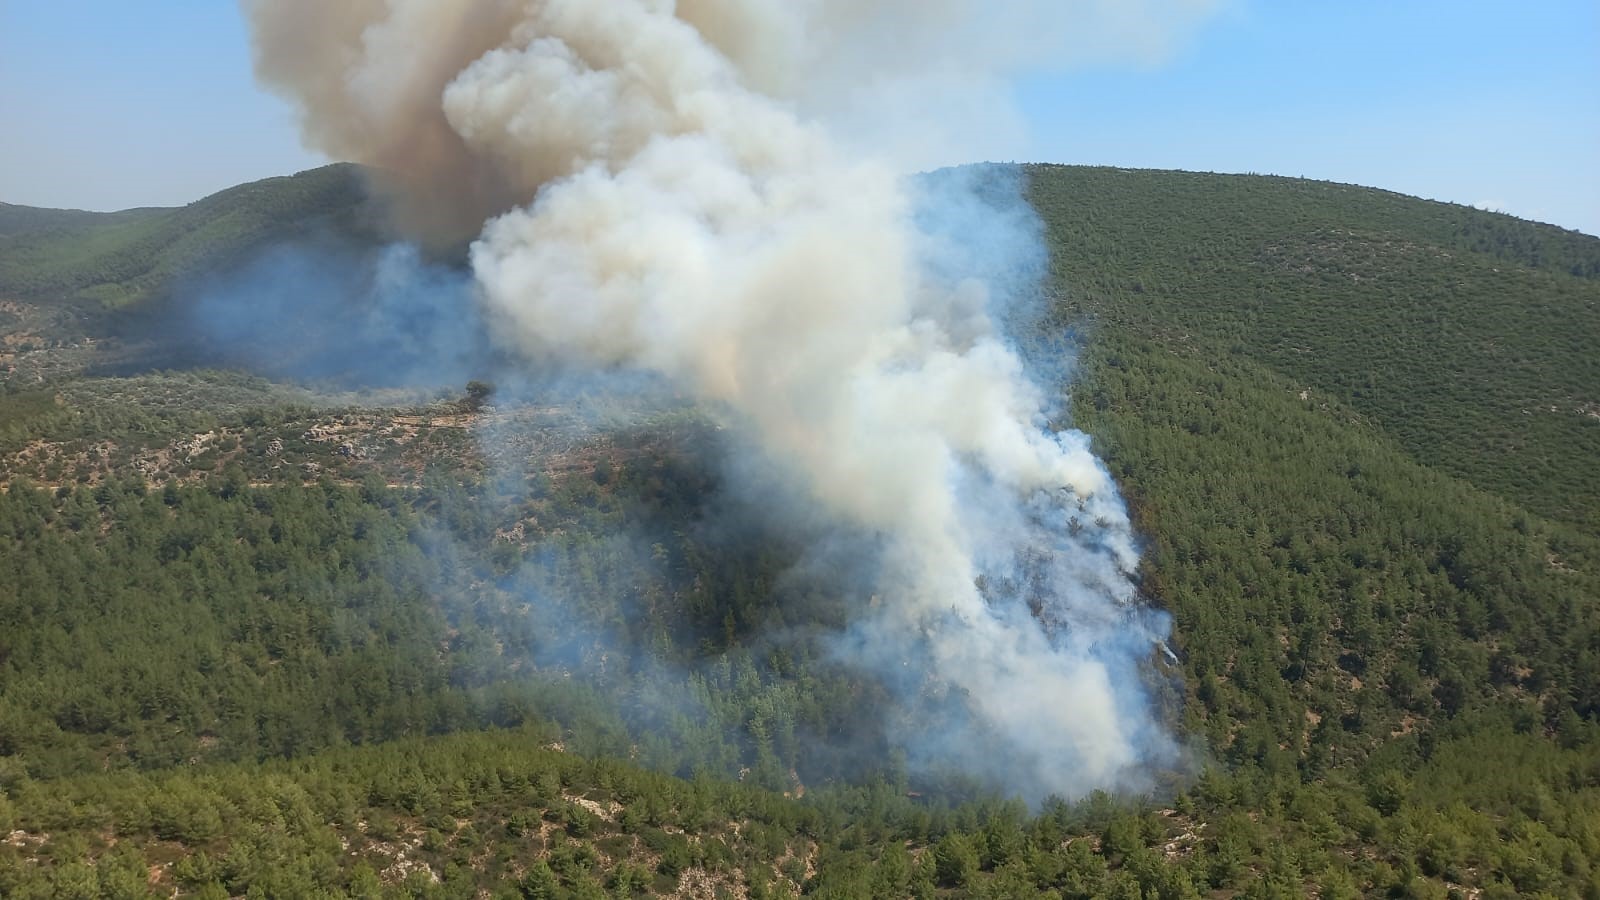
{"type": "Point", "coordinates": [278, 638]}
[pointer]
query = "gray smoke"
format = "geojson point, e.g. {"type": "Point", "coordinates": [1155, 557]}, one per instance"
{"type": "Point", "coordinates": [710, 190]}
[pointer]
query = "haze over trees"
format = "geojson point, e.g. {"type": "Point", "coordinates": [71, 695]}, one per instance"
{"type": "Point", "coordinates": [287, 639]}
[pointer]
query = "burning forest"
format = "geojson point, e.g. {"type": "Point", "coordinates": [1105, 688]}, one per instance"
{"type": "Point", "coordinates": [672, 189]}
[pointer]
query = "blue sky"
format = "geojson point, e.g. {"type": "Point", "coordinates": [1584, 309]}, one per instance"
{"type": "Point", "coordinates": [111, 104]}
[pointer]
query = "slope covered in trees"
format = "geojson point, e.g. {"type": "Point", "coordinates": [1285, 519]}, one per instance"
{"type": "Point", "coordinates": [1466, 336]}
{"type": "Point", "coordinates": [384, 670]}
{"type": "Point", "coordinates": [130, 257]}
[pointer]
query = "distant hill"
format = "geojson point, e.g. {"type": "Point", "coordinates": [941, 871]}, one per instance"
{"type": "Point", "coordinates": [125, 258]}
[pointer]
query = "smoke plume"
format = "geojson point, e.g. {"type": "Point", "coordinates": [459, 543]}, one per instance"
{"type": "Point", "coordinates": [710, 190]}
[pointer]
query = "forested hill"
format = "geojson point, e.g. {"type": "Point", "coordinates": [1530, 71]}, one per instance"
{"type": "Point", "coordinates": [129, 257]}
{"type": "Point", "coordinates": [289, 639]}
{"type": "Point", "coordinates": [1465, 336]}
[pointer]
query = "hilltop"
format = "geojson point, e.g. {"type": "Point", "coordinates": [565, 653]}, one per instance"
{"type": "Point", "coordinates": [1357, 431]}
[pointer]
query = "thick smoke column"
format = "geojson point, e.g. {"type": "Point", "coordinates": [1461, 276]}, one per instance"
{"type": "Point", "coordinates": [682, 188]}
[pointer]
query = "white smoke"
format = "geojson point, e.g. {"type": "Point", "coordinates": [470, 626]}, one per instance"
{"type": "Point", "coordinates": [688, 188]}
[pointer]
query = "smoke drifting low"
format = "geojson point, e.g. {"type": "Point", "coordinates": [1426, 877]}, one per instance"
{"type": "Point", "coordinates": [327, 311]}
{"type": "Point", "coordinates": [690, 189]}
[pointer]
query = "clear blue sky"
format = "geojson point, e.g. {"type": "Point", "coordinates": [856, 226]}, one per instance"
{"type": "Point", "coordinates": [108, 103]}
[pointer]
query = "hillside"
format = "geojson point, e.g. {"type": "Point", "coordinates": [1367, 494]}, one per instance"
{"type": "Point", "coordinates": [1465, 336]}
{"type": "Point", "coordinates": [130, 257]}
{"type": "Point", "coordinates": [1357, 431]}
